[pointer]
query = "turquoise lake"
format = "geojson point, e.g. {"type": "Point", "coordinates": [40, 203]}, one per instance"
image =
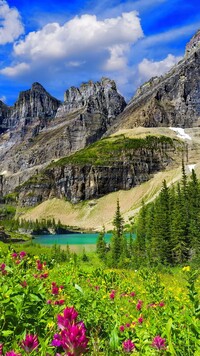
{"type": "Point", "coordinates": [76, 242]}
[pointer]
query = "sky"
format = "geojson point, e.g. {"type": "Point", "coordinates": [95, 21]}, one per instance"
{"type": "Point", "coordinates": [64, 43]}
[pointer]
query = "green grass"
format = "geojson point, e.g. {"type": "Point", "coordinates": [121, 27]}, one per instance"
{"type": "Point", "coordinates": [109, 150]}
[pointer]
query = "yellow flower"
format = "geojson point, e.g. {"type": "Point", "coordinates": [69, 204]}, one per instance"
{"type": "Point", "coordinates": [50, 324]}
{"type": "Point", "coordinates": [186, 268]}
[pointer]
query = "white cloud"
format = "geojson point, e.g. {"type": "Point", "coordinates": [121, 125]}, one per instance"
{"type": "Point", "coordinates": [3, 98]}
{"type": "Point", "coordinates": [11, 26]}
{"type": "Point", "coordinates": [148, 69]}
{"type": "Point", "coordinates": [78, 41]}
{"type": "Point", "coordinates": [18, 69]}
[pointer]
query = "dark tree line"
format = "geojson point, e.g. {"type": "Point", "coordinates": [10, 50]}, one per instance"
{"type": "Point", "coordinates": [168, 230]}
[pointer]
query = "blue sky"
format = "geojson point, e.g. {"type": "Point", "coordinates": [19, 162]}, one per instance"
{"type": "Point", "coordinates": [64, 43]}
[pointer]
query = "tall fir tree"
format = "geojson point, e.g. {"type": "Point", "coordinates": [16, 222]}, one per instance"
{"type": "Point", "coordinates": [117, 241]}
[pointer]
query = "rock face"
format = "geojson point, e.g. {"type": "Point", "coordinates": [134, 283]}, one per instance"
{"type": "Point", "coordinates": [76, 182]}
{"type": "Point", "coordinates": [4, 117]}
{"type": "Point", "coordinates": [41, 128]}
{"type": "Point", "coordinates": [32, 104]}
{"type": "Point", "coordinates": [170, 100]}
{"type": "Point", "coordinates": [93, 97]}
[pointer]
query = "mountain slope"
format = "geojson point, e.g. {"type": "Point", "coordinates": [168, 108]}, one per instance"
{"type": "Point", "coordinates": [170, 100]}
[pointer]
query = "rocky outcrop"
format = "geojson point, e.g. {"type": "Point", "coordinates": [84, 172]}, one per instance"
{"type": "Point", "coordinates": [84, 177]}
{"type": "Point", "coordinates": [100, 97]}
{"type": "Point", "coordinates": [4, 116]}
{"type": "Point", "coordinates": [170, 100]}
{"type": "Point", "coordinates": [34, 103]}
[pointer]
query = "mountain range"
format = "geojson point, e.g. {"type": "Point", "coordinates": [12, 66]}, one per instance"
{"type": "Point", "coordinates": [94, 143]}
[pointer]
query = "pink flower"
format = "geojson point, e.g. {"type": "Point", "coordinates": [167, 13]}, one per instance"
{"type": "Point", "coordinates": [128, 346]}
{"type": "Point", "coordinates": [158, 342]}
{"type": "Point", "coordinates": [22, 254]}
{"type": "Point", "coordinates": [54, 288]}
{"type": "Point", "coordinates": [72, 337]}
{"type": "Point", "coordinates": [1, 349]}
{"type": "Point", "coordinates": [132, 294]}
{"type": "Point", "coordinates": [128, 325]}
{"type": "Point", "coordinates": [2, 266]}
{"type": "Point", "coordinates": [24, 284]}
{"type": "Point", "coordinates": [48, 301]}
{"type": "Point", "coordinates": [112, 295]}
{"type": "Point", "coordinates": [14, 255]}
{"type": "Point", "coordinates": [30, 343]}
{"type": "Point", "coordinates": [39, 265]}
{"type": "Point", "coordinates": [139, 305]}
{"type": "Point", "coordinates": [12, 353]}
{"type": "Point", "coordinates": [140, 320]}
{"type": "Point", "coordinates": [121, 328]}
{"type": "Point", "coordinates": [161, 304]}
{"type": "Point", "coordinates": [69, 316]}
{"type": "Point", "coordinates": [43, 275]}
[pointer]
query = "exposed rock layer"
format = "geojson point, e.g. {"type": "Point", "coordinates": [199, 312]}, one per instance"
{"type": "Point", "coordinates": [77, 182]}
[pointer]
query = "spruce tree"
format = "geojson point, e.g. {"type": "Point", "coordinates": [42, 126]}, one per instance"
{"type": "Point", "coordinates": [117, 242]}
{"type": "Point", "coordinates": [101, 245]}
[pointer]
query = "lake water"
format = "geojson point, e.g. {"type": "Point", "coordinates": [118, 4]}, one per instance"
{"type": "Point", "coordinates": [76, 242]}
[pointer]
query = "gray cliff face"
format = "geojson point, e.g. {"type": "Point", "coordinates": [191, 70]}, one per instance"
{"type": "Point", "coordinates": [4, 116]}
{"type": "Point", "coordinates": [170, 100]}
{"type": "Point", "coordinates": [39, 134]}
{"type": "Point", "coordinates": [34, 103]}
{"type": "Point", "coordinates": [100, 97]}
{"type": "Point", "coordinates": [76, 182]}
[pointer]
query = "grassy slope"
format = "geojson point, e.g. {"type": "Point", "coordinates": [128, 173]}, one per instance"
{"type": "Point", "coordinates": [96, 213]}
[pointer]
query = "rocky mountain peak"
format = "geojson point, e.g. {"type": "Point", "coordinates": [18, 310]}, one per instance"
{"type": "Point", "coordinates": [34, 103]}
{"type": "Point", "coordinates": [194, 43]}
{"type": "Point", "coordinates": [93, 97]}
{"type": "Point", "coordinates": [37, 87]}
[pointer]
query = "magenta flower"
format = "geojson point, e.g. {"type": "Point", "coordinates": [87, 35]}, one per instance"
{"type": "Point", "coordinates": [54, 288]}
{"type": "Point", "coordinates": [140, 320]}
{"type": "Point", "coordinates": [12, 353]}
{"type": "Point", "coordinates": [69, 317]}
{"type": "Point", "coordinates": [132, 294]}
{"type": "Point", "coordinates": [128, 346]}
{"type": "Point", "coordinates": [30, 343]}
{"type": "Point", "coordinates": [39, 265]}
{"type": "Point", "coordinates": [161, 304]}
{"type": "Point", "coordinates": [43, 275]}
{"type": "Point", "coordinates": [121, 328]}
{"type": "Point", "coordinates": [158, 342]}
{"type": "Point", "coordinates": [139, 305]}
{"type": "Point", "coordinates": [72, 339]}
{"type": "Point", "coordinates": [48, 301]}
{"type": "Point", "coordinates": [2, 266]}
{"type": "Point", "coordinates": [1, 349]}
{"type": "Point", "coordinates": [14, 255]}
{"type": "Point", "coordinates": [24, 284]}
{"type": "Point", "coordinates": [22, 254]}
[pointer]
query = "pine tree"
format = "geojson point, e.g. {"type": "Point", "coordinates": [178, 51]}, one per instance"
{"type": "Point", "coordinates": [101, 245]}
{"type": "Point", "coordinates": [117, 242]}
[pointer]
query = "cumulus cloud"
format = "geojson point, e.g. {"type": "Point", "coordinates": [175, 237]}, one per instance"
{"type": "Point", "coordinates": [148, 69]}
{"type": "Point", "coordinates": [78, 42]}
{"type": "Point", "coordinates": [11, 26]}
{"type": "Point", "coordinates": [18, 69]}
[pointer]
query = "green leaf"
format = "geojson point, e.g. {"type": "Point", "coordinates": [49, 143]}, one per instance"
{"type": "Point", "coordinates": [7, 332]}
{"type": "Point", "coordinates": [78, 288]}
{"type": "Point", "coordinates": [168, 332]}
